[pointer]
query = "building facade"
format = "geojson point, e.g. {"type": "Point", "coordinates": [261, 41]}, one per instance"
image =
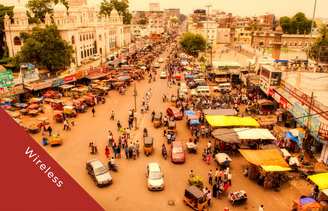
{"type": "Point", "coordinates": [80, 26]}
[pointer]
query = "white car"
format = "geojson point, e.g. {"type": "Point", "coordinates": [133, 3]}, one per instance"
{"type": "Point", "coordinates": [160, 60]}
{"type": "Point", "coordinates": [184, 89]}
{"type": "Point", "coordinates": [163, 75]}
{"type": "Point", "coordinates": [156, 65]}
{"type": "Point", "coordinates": [193, 92]}
{"type": "Point", "coordinates": [95, 56]}
{"type": "Point", "coordinates": [155, 177]}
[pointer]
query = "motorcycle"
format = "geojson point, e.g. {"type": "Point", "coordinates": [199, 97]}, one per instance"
{"type": "Point", "coordinates": [154, 79]}
{"type": "Point", "coordinates": [112, 167]}
{"type": "Point", "coordinates": [103, 100]}
{"type": "Point", "coordinates": [164, 153]}
{"type": "Point", "coordinates": [145, 134]}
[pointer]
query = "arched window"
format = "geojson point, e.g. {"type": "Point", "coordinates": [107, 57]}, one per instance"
{"type": "Point", "coordinates": [83, 37]}
{"type": "Point", "coordinates": [295, 43]}
{"type": "Point", "coordinates": [305, 44]}
{"type": "Point", "coordinates": [73, 40]}
{"type": "Point", "coordinates": [92, 35]}
{"type": "Point", "coordinates": [89, 36]}
{"type": "Point", "coordinates": [99, 37]}
{"type": "Point", "coordinates": [86, 37]}
{"type": "Point", "coordinates": [80, 37]}
{"type": "Point", "coordinates": [100, 50]}
{"type": "Point", "coordinates": [17, 41]}
{"type": "Point", "coordinates": [300, 43]}
{"type": "Point", "coordinates": [290, 43]}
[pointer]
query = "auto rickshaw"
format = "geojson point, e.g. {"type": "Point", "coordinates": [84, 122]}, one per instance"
{"type": "Point", "coordinates": [174, 101]}
{"type": "Point", "coordinates": [157, 120]}
{"type": "Point", "coordinates": [55, 138]}
{"type": "Point", "coordinates": [148, 145]}
{"type": "Point", "coordinates": [173, 128]}
{"type": "Point", "coordinates": [195, 198]}
{"type": "Point", "coordinates": [69, 111]}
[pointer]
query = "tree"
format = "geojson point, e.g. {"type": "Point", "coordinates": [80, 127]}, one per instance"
{"type": "Point", "coordinates": [3, 11]}
{"type": "Point", "coordinates": [142, 21]}
{"type": "Point", "coordinates": [202, 59]}
{"type": "Point", "coordinates": [183, 17]}
{"type": "Point", "coordinates": [260, 27]}
{"type": "Point", "coordinates": [298, 23]}
{"type": "Point", "coordinates": [256, 27]}
{"type": "Point", "coordinates": [120, 6]}
{"type": "Point", "coordinates": [44, 47]}
{"type": "Point", "coordinates": [320, 41]}
{"type": "Point", "coordinates": [40, 8]}
{"type": "Point", "coordinates": [175, 20]}
{"type": "Point", "coordinates": [191, 42]}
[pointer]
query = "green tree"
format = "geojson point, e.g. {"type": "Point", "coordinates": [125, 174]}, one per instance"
{"type": "Point", "coordinates": [175, 20]}
{"type": "Point", "coordinates": [44, 47]}
{"type": "Point", "coordinates": [250, 26]}
{"type": "Point", "coordinates": [320, 41]}
{"type": "Point", "coordinates": [298, 23]}
{"type": "Point", "coordinates": [120, 6]}
{"type": "Point", "coordinates": [183, 17]}
{"type": "Point", "coordinates": [202, 59]}
{"type": "Point", "coordinates": [256, 27]}
{"type": "Point", "coordinates": [142, 21]}
{"type": "Point", "coordinates": [40, 8]}
{"type": "Point", "coordinates": [3, 11]}
{"type": "Point", "coordinates": [260, 27]}
{"type": "Point", "coordinates": [191, 42]}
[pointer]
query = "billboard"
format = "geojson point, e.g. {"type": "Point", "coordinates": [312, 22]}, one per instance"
{"type": "Point", "coordinates": [6, 78]}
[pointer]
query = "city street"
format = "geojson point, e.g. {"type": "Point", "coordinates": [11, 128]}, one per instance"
{"type": "Point", "coordinates": [129, 189]}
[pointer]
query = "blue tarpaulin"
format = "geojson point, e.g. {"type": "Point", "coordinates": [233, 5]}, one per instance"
{"type": "Point", "coordinates": [189, 112]}
{"type": "Point", "coordinates": [123, 78]}
{"type": "Point", "coordinates": [125, 71]}
{"type": "Point", "coordinates": [184, 60]}
{"type": "Point", "coordinates": [22, 105]}
{"type": "Point", "coordinates": [190, 76]}
{"type": "Point", "coordinates": [290, 136]}
{"type": "Point", "coordinates": [281, 60]}
{"type": "Point", "coordinates": [194, 122]}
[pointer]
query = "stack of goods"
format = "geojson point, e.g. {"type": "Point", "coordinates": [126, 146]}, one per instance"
{"type": "Point", "coordinates": [196, 180]}
{"type": "Point", "coordinates": [237, 197]}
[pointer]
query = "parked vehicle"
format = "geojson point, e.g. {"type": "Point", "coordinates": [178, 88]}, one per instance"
{"type": "Point", "coordinates": [175, 112]}
{"type": "Point", "coordinates": [98, 173]}
{"type": "Point", "coordinates": [156, 65]}
{"type": "Point", "coordinates": [163, 75]}
{"type": "Point", "coordinates": [55, 138]}
{"type": "Point", "coordinates": [155, 177]}
{"type": "Point", "coordinates": [177, 152]}
{"type": "Point", "coordinates": [148, 145]}
{"type": "Point", "coordinates": [95, 56]}
{"type": "Point", "coordinates": [195, 198]}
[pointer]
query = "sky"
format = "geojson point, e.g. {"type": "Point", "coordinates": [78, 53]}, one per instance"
{"type": "Point", "coordinates": [236, 7]}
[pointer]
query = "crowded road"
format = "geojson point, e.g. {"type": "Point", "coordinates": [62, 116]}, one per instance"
{"type": "Point", "coordinates": [129, 189]}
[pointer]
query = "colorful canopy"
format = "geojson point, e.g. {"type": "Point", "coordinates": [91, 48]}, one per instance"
{"type": "Point", "coordinates": [254, 133]}
{"type": "Point", "coordinates": [269, 157]}
{"type": "Point", "coordinates": [226, 112]}
{"type": "Point", "coordinates": [225, 121]}
{"type": "Point", "coordinates": [275, 168]}
{"type": "Point", "coordinates": [226, 135]}
{"type": "Point", "coordinates": [320, 179]}
{"type": "Point", "coordinates": [194, 122]}
{"type": "Point", "coordinates": [307, 203]}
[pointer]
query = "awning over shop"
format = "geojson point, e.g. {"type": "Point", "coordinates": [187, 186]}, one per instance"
{"type": "Point", "coordinates": [225, 121]}
{"type": "Point", "coordinates": [194, 122]}
{"type": "Point", "coordinates": [189, 112]}
{"type": "Point", "coordinates": [269, 157]}
{"type": "Point", "coordinates": [275, 168]}
{"type": "Point", "coordinates": [226, 135]}
{"type": "Point", "coordinates": [226, 112]}
{"type": "Point", "coordinates": [320, 179]}
{"type": "Point", "coordinates": [256, 133]}
{"type": "Point", "coordinates": [290, 136]}
{"type": "Point", "coordinates": [307, 203]}
{"type": "Point", "coordinates": [281, 60]}
{"type": "Point", "coordinates": [91, 77]}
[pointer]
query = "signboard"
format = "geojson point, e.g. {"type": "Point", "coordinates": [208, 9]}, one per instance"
{"type": "Point", "coordinates": [58, 81]}
{"type": "Point", "coordinates": [29, 71]}
{"type": "Point", "coordinates": [283, 102]}
{"type": "Point", "coordinates": [6, 78]}
{"type": "Point", "coordinates": [264, 86]}
{"type": "Point", "coordinates": [70, 78]}
{"type": "Point", "coordinates": [323, 132]}
{"type": "Point", "coordinates": [42, 85]}
{"type": "Point", "coordinates": [282, 84]}
{"type": "Point", "coordinates": [272, 93]}
{"type": "Point", "coordinates": [3, 90]}
{"type": "Point", "coordinates": [97, 71]}
{"type": "Point", "coordinates": [79, 75]}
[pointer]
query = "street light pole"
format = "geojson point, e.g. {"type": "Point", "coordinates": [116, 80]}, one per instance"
{"type": "Point", "coordinates": [309, 45]}
{"type": "Point", "coordinates": [208, 11]}
{"type": "Point", "coordinates": [135, 104]}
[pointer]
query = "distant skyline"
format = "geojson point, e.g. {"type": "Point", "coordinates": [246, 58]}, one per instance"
{"type": "Point", "coordinates": [236, 7]}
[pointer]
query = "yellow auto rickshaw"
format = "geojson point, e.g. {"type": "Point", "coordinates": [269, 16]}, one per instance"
{"type": "Point", "coordinates": [195, 198]}
{"type": "Point", "coordinates": [173, 128]}
{"type": "Point", "coordinates": [69, 111]}
{"type": "Point", "coordinates": [157, 120]}
{"type": "Point", "coordinates": [174, 101]}
{"type": "Point", "coordinates": [55, 138]}
{"type": "Point", "coordinates": [148, 145]}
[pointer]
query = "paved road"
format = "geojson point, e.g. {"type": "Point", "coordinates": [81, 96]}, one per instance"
{"type": "Point", "coordinates": [129, 189]}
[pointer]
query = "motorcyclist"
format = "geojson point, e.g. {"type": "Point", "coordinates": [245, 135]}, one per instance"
{"type": "Point", "coordinates": [163, 149]}
{"type": "Point", "coordinates": [111, 163]}
{"type": "Point", "coordinates": [152, 116]}
{"type": "Point", "coordinates": [145, 132]}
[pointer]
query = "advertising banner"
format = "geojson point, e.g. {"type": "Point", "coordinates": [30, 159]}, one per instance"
{"type": "Point", "coordinates": [42, 85]}
{"type": "Point", "coordinates": [79, 75]}
{"type": "Point", "coordinates": [283, 102]}
{"type": "Point", "coordinates": [323, 132]}
{"type": "Point", "coordinates": [272, 93]}
{"type": "Point", "coordinates": [6, 78]}
{"type": "Point", "coordinates": [70, 78]}
{"type": "Point", "coordinates": [58, 81]}
{"type": "Point", "coordinates": [3, 90]}
{"type": "Point", "coordinates": [93, 72]}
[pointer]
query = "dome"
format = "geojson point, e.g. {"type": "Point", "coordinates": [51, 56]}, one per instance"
{"type": "Point", "coordinates": [279, 29]}
{"type": "Point", "coordinates": [60, 8]}
{"type": "Point", "coordinates": [6, 16]}
{"type": "Point", "coordinates": [19, 9]}
{"type": "Point", "coordinates": [114, 13]}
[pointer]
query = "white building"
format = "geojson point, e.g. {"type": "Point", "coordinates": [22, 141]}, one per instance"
{"type": "Point", "coordinates": [80, 26]}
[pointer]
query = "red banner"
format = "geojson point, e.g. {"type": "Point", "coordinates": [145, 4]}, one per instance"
{"type": "Point", "coordinates": [283, 102]}
{"type": "Point", "coordinates": [93, 72]}
{"type": "Point", "coordinates": [271, 93]}
{"type": "Point", "coordinates": [70, 78]}
{"type": "Point", "coordinates": [323, 132]}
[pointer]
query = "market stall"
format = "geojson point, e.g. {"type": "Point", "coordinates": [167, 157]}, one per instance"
{"type": "Point", "coordinates": [227, 121]}
{"type": "Point", "coordinates": [265, 106]}
{"type": "Point", "coordinates": [306, 203]}
{"type": "Point", "coordinates": [225, 112]}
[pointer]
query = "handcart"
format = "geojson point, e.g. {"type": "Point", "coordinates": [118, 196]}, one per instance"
{"type": "Point", "coordinates": [237, 197]}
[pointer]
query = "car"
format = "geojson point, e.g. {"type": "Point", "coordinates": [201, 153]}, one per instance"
{"type": "Point", "coordinates": [160, 60]}
{"type": "Point", "coordinates": [163, 74]}
{"type": "Point", "coordinates": [99, 173]}
{"type": "Point", "coordinates": [155, 177]}
{"type": "Point", "coordinates": [216, 89]}
{"type": "Point", "coordinates": [177, 152]}
{"type": "Point", "coordinates": [193, 92]}
{"type": "Point", "coordinates": [175, 112]}
{"type": "Point", "coordinates": [156, 65]}
{"type": "Point", "coordinates": [184, 89]}
{"type": "Point", "coordinates": [95, 56]}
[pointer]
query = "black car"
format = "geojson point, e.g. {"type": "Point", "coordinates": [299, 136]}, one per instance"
{"type": "Point", "coordinates": [194, 85]}
{"type": "Point", "coordinates": [99, 173]}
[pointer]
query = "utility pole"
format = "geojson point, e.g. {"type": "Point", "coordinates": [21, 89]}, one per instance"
{"type": "Point", "coordinates": [135, 105]}
{"type": "Point", "coordinates": [309, 45]}
{"type": "Point", "coordinates": [208, 12]}
{"type": "Point", "coordinates": [308, 120]}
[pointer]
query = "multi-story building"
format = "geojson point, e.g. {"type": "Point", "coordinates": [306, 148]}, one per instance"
{"type": "Point", "coordinates": [80, 26]}
{"type": "Point", "coordinates": [199, 15]}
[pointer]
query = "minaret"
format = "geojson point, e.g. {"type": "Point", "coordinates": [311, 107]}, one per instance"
{"type": "Point", "coordinates": [276, 44]}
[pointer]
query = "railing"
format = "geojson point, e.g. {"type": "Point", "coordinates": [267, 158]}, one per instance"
{"type": "Point", "coordinates": [305, 99]}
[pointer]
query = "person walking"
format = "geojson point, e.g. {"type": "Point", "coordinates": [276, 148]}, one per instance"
{"type": "Point", "coordinates": [261, 208]}
{"type": "Point", "coordinates": [210, 177]}
{"type": "Point", "coordinates": [93, 112]}
{"type": "Point", "coordinates": [107, 151]}
{"type": "Point", "coordinates": [112, 115]}
{"type": "Point", "coordinates": [208, 158]}
{"type": "Point", "coordinates": [115, 150]}
{"type": "Point", "coordinates": [126, 150]}
{"type": "Point", "coordinates": [118, 125]}
{"type": "Point", "coordinates": [50, 130]}
{"type": "Point", "coordinates": [229, 178]}
{"type": "Point", "coordinates": [118, 151]}
{"type": "Point", "coordinates": [96, 150]}
{"type": "Point", "coordinates": [72, 121]}
{"type": "Point", "coordinates": [209, 196]}
{"type": "Point", "coordinates": [220, 175]}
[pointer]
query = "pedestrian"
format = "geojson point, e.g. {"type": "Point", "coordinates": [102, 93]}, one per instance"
{"type": "Point", "coordinates": [118, 125]}
{"type": "Point", "coordinates": [126, 150]}
{"type": "Point", "coordinates": [208, 158]}
{"type": "Point", "coordinates": [93, 112]}
{"type": "Point", "coordinates": [130, 152]}
{"type": "Point", "coordinates": [107, 152]}
{"type": "Point", "coordinates": [72, 121]}
{"type": "Point", "coordinates": [261, 208]}
{"type": "Point", "coordinates": [215, 189]}
{"type": "Point", "coordinates": [210, 177]}
{"type": "Point", "coordinates": [49, 129]}
{"type": "Point", "coordinates": [220, 175]}
{"type": "Point", "coordinates": [112, 115]}
{"type": "Point", "coordinates": [229, 178]}
{"type": "Point", "coordinates": [118, 151]}
{"type": "Point", "coordinates": [209, 198]}
{"type": "Point", "coordinates": [209, 146]}
{"type": "Point", "coordinates": [42, 130]}
{"type": "Point", "coordinates": [216, 175]}
{"type": "Point", "coordinates": [128, 133]}
{"type": "Point", "coordinates": [115, 150]}
{"type": "Point", "coordinates": [96, 149]}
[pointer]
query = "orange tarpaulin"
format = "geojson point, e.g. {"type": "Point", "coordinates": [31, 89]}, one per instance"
{"type": "Point", "coordinates": [264, 157]}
